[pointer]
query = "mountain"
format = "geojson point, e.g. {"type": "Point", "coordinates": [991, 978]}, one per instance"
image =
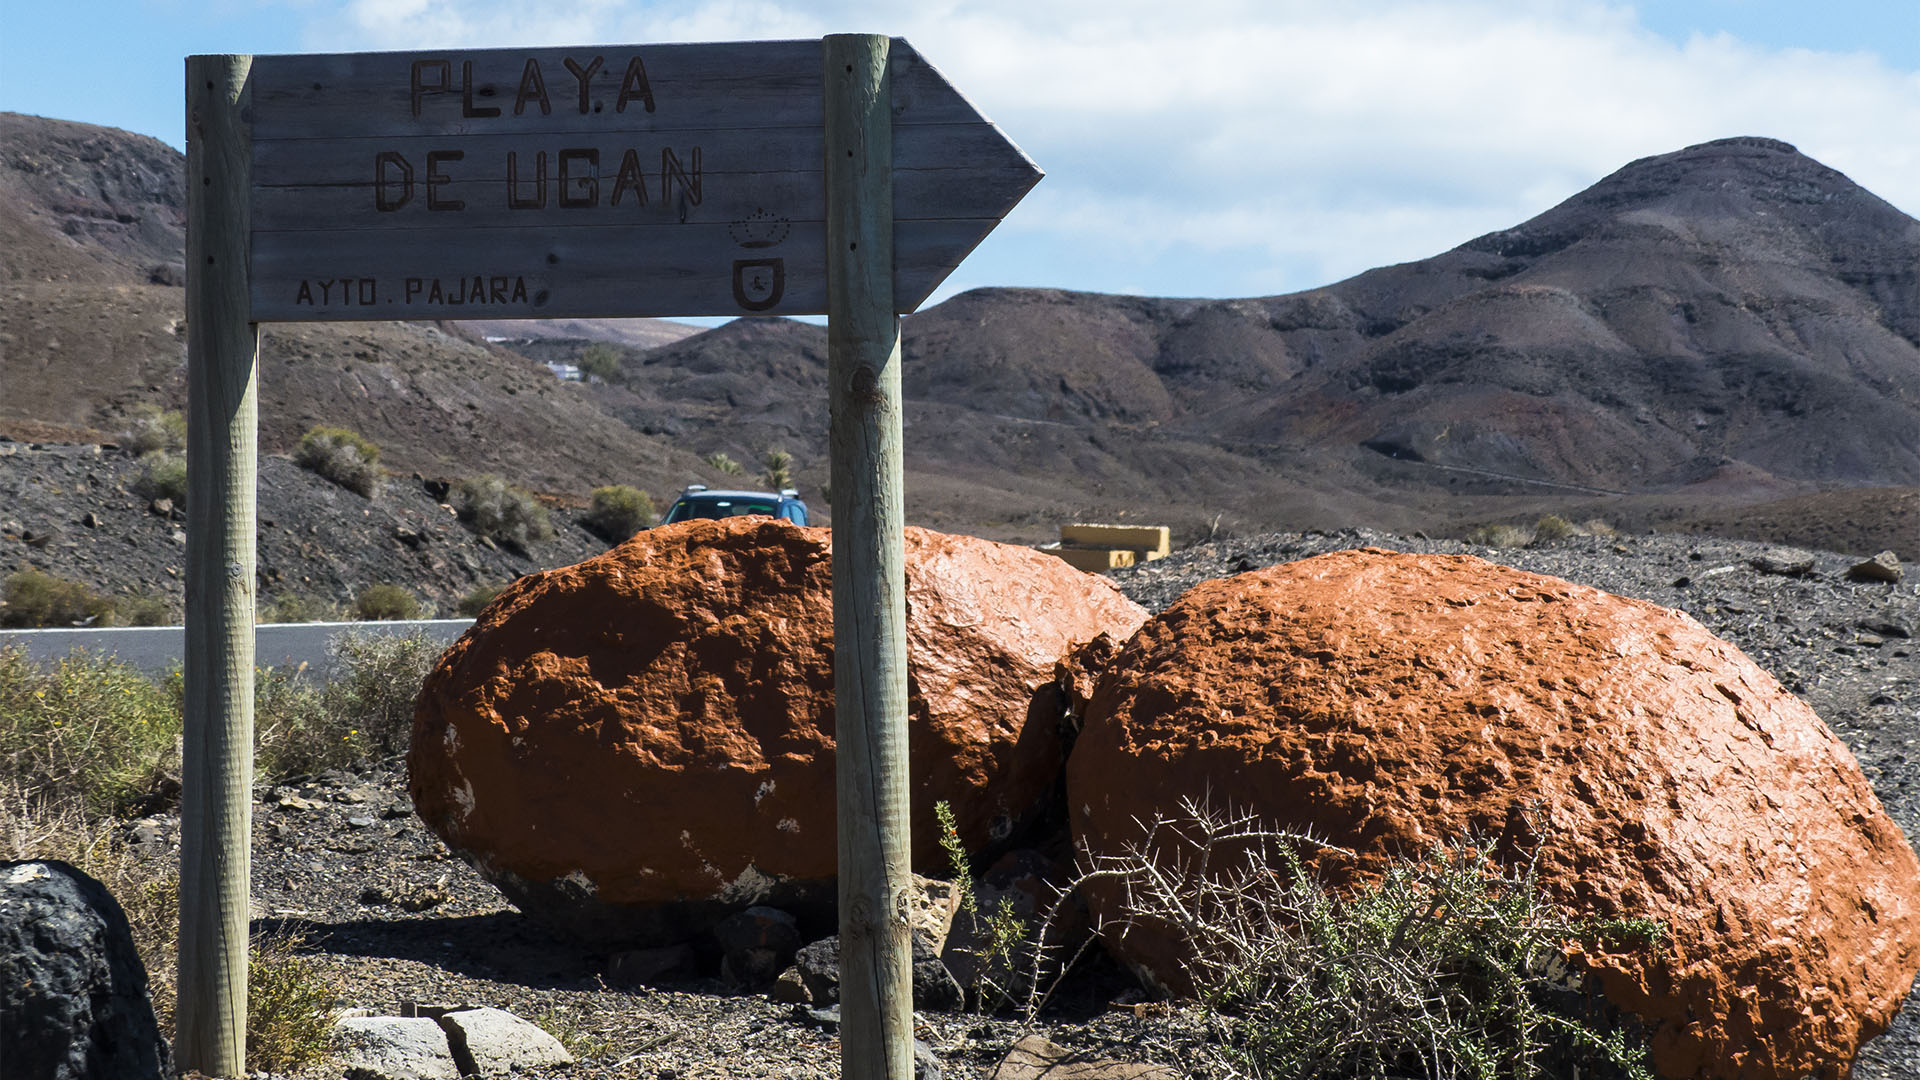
{"type": "Point", "coordinates": [1729, 325]}
{"type": "Point", "coordinates": [92, 226]}
{"type": "Point", "coordinates": [1734, 301]}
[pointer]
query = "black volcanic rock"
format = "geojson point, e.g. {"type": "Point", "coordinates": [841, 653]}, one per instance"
{"type": "Point", "coordinates": [73, 993]}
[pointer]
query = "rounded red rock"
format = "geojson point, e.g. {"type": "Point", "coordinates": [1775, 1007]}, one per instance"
{"type": "Point", "coordinates": [632, 745]}
{"type": "Point", "coordinates": [1388, 702]}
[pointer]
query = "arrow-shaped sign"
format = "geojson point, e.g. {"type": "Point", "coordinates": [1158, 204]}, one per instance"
{"type": "Point", "coordinates": [598, 181]}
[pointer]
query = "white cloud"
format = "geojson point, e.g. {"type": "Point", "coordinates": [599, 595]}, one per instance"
{"type": "Point", "coordinates": [1249, 146]}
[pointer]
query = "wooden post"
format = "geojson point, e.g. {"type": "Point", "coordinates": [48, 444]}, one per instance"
{"type": "Point", "coordinates": [869, 582]}
{"type": "Point", "coordinates": [216, 810]}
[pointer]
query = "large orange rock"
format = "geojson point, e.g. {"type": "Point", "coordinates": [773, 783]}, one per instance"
{"type": "Point", "coordinates": [1393, 701]}
{"type": "Point", "coordinates": [630, 746]}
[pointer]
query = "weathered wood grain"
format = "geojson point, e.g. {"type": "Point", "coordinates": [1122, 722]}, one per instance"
{"type": "Point", "coordinates": [216, 807]}
{"type": "Point", "coordinates": [760, 84]}
{"type": "Point", "coordinates": [592, 213]}
{"type": "Point", "coordinates": [659, 269]}
{"type": "Point", "coordinates": [869, 580]}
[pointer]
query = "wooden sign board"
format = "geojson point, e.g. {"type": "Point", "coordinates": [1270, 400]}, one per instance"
{"type": "Point", "coordinates": [603, 181]}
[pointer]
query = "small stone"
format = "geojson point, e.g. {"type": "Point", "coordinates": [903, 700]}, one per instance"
{"type": "Point", "coordinates": [414, 898]}
{"type": "Point", "coordinates": [360, 821]}
{"type": "Point", "coordinates": [1035, 1058]}
{"type": "Point", "coordinates": [498, 1043]}
{"type": "Point", "coordinates": [91, 520]}
{"type": "Point", "coordinates": [1786, 562]}
{"type": "Point", "coordinates": [161, 507]}
{"type": "Point", "coordinates": [393, 1048]}
{"type": "Point", "coordinates": [934, 986]}
{"type": "Point", "coordinates": [759, 927]}
{"type": "Point", "coordinates": [790, 989]}
{"type": "Point", "coordinates": [1883, 568]}
{"type": "Point", "coordinates": [639, 967]}
{"type": "Point", "coordinates": [926, 1064]}
{"type": "Point", "coordinates": [1886, 624]}
{"type": "Point", "coordinates": [292, 801]}
{"type": "Point", "coordinates": [826, 1018]}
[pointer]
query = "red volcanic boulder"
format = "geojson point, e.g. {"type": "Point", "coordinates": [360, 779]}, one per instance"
{"type": "Point", "coordinates": [630, 746]}
{"type": "Point", "coordinates": [1390, 702]}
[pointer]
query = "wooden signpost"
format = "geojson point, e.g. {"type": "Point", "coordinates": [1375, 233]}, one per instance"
{"type": "Point", "coordinates": [842, 177]}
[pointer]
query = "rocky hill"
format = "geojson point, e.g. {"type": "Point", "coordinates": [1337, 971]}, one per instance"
{"type": "Point", "coordinates": [1721, 339]}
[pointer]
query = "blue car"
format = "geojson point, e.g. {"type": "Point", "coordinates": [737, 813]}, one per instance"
{"type": "Point", "coordinates": [698, 502]}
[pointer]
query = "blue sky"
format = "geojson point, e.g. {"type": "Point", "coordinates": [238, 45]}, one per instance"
{"type": "Point", "coordinates": [1207, 148]}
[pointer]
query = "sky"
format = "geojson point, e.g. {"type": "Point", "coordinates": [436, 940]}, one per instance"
{"type": "Point", "coordinates": [1202, 148]}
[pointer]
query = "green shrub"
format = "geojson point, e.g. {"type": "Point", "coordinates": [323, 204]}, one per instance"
{"type": "Point", "coordinates": [619, 511]}
{"type": "Point", "coordinates": [151, 430]}
{"type": "Point", "coordinates": [292, 607]}
{"type": "Point", "coordinates": [477, 599]}
{"type": "Point", "coordinates": [345, 457]}
{"type": "Point", "coordinates": [720, 462]}
{"type": "Point", "coordinates": [289, 1006]}
{"type": "Point", "coordinates": [386, 602]}
{"type": "Point", "coordinates": [1553, 527]}
{"type": "Point", "coordinates": [600, 361]}
{"type": "Point", "coordinates": [777, 470]}
{"type": "Point", "coordinates": [89, 731]}
{"type": "Point", "coordinates": [498, 511]}
{"type": "Point", "coordinates": [1003, 935]}
{"type": "Point", "coordinates": [39, 599]}
{"type": "Point", "coordinates": [1598, 527]}
{"type": "Point", "coordinates": [162, 476]}
{"type": "Point", "coordinates": [1449, 965]}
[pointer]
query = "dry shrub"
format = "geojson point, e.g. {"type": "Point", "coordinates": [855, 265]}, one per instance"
{"type": "Point", "coordinates": [38, 599]}
{"type": "Point", "coordinates": [151, 430]}
{"type": "Point", "coordinates": [289, 1005]}
{"type": "Point", "coordinates": [618, 512]}
{"type": "Point", "coordinates": [1500, 536]}
{"type": "Point", "coordinates": [87, 732]}
{"type": "Point", "coordinates": [1450, 966]}
{"type": "Point", "coordinates": [364, 713]}
{"type": "Point", "coordinates": [383, 602]}
{"type": "Point", "coordinates": [345, 457]}
{"type": "Point", "coordinates": [1553, 527]}
{"type": "Point", "coordinates": [501, 512]}
{"type": "Point", "coordinates": [478, 597]}
{"type": "Point", "coordinates": [162, 475]}
{"type": "Point", "coordinates": [293, 607]}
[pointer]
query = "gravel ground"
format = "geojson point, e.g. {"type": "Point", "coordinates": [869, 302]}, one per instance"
{"type": "Point", "coordinates": [333, 856]}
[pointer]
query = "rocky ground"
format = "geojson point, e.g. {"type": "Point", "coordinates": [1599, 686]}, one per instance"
{"type": "Point", "coordinates": [77, 511]}
{"type": "Point", "coordinates": [340, 859]}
